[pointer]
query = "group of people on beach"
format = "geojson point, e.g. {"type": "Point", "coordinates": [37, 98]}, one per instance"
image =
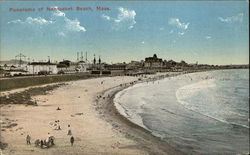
{"type": "Point", "coordinates": [49, 141]}
{"type": "Point", "coordinates": [42, 143]}
{"type": "Point", "coordinates": [57, 125]}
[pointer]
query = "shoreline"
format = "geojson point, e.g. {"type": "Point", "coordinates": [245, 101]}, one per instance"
{"type": "Point", "coordinates": [109, 112]}
{"type": "Point", "coordinates": [123, 114]}
{"type": "Point", "coordinates": [96, 123]}
{"type": "Point", "coordinates": [100, 137]}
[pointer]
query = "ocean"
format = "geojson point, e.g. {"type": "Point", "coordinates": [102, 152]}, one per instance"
{"type": "Point", "coordinates": [197, 113]}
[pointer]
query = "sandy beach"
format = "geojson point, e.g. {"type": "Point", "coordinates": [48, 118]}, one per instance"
{"type": "Point", "coordinates": [87, 106]}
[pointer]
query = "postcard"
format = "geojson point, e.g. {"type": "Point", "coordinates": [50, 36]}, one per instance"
{"type": "Point", "coordinates": [124, 77]}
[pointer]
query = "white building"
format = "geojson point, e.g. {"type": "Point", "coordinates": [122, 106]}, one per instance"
{"type": "Point", "coordinates": [82, 66]}
{"type": "Point", "coordinates": [39, 67]}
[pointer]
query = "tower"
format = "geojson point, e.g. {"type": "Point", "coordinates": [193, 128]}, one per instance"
{"type": "Point", "coordinates": [86, 57]}
{"type": "Point", "coordinates": [81, 56]}
{"type": "Point", "coordinates": [94, 61]}
{"type": "Point", "coordinates": [20, 56]}
{"type": "Point", "coordinates": [99, 61]}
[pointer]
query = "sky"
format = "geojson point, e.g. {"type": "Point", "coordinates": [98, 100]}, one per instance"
{"type": "Point", "coordinates": [210, 32]}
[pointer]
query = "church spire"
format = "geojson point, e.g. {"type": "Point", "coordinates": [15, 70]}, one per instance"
{"type": "Point", "coordinates": [99, 61]}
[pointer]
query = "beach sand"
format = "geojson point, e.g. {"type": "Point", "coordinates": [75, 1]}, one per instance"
{"type": "Point", "coordinates": [95, 124]}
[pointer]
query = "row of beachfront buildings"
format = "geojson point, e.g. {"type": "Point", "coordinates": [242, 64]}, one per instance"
{"type": "Point", "coordinates": [149, 65]}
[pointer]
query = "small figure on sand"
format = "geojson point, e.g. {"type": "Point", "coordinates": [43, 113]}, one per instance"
{"type": "Point", "coordinates": [48, 137]}
{"type": "Point", "coordinates": [69, 132]}
{"type": "Point", "coordinates": [51, 141]}
{"type": "Point", "coordinates": [37, 142]}
{"type": "Point", "coordinates": [72, 140]}
{"type": "Point", "coordinates": [58, 127]}
{"type": "Point", "coordinates": [41, 143]}
{"type": "Point", "coordinates": [28, 138]}
{"type": "Point", "coordinates": [58, 108]}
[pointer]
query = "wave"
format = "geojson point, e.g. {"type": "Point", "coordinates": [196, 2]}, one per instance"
{"type": "Point", "coordinates": [215, 118]}
{"type": "Point", "coordinates": [189, 90]}
{"type": "Point", "coordinates": [163, 111]}
{"type": "Point", "coordinates": [133, 117]}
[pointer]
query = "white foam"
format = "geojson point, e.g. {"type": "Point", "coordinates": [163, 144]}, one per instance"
{"type": "Point", "coordinates": [133, 117]}
{"type": "Point", "coordinates": [189, 90]}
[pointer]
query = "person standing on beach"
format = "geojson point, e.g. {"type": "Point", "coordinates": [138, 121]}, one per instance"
{"type": "Point", "coordinates": [72, 140]}
{"type": "Point", "coordinates": [48, 138]}
{"type": "Point", "coordinates": [41, 143]}
{"type": "Point", "coordinates": [28, 138]}
{"type": "Point", "coordinates": [69, 131]}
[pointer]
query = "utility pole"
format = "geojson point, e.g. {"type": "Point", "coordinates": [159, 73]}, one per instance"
{"type": "Point", "coordinates": [20, 56]}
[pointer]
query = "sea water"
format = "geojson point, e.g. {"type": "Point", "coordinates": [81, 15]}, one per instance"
{"type": "Point", "coordinates": [197, 113]}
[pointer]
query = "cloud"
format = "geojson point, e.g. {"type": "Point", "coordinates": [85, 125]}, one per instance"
{"type": "Point", "coordinates": [74, 25]}
{"type": "Point", "coordinates": [58, 23]}
{"type": "Point", "coordinates": [208, 37]}
{"type": "Point", "coordinates": [181, 33]}
{"type": "Point", "coordinates": [30, 20]}
{"type": "Point", "coordinates": [143, 42]}
{"type": "Point", "coordinates": [232, 19]}
{"type": "Point", "coordinates": [68, 24]}
{"type": "Point", "coordinates": [59, 13]}
{"type": "Point", "coordinates": [38, 20]}
{"type": "Point", "coordinates": [176, 22]}
{"type": "Point", "coordinates": [125, 14]}
{"type": "Point", "coordinates": [105, 17]}
{"type": "Point", "coordinates": [131, 26]}
{"type": "Point", "coordinates": [124, 19]}
{"type": "Point", "coordinates": [180, 27]}
{"type": "Point", "coordinates": [15, 21]}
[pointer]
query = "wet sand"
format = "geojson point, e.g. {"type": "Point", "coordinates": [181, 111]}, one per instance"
{"type": "Point", "coordinates": [96, 125]}
{"type": "Point", "coordinates": [144, 139]}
